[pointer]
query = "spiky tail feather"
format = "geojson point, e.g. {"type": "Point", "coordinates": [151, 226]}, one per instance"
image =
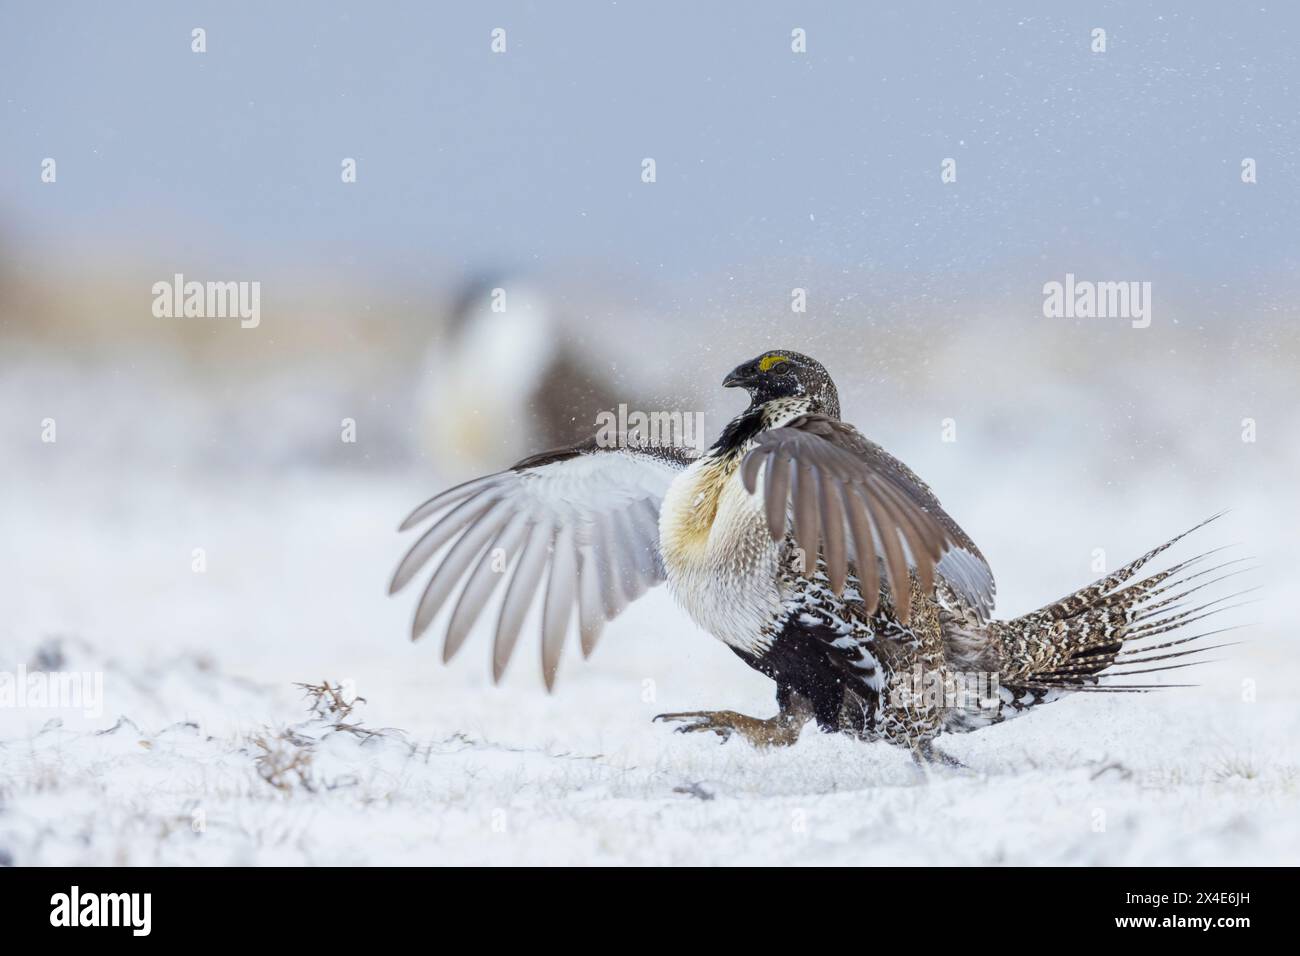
{"type": "Point", "coordinates": [1099, 632]}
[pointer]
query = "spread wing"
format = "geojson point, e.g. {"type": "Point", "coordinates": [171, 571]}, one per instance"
{"type": "Point", "coordinates": [849, 497]}
{"type": "Point", "coordinates": [579, 525]}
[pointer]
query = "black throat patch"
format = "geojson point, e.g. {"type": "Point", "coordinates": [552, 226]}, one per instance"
{"type": "Point", "coordinates": [739, 430]}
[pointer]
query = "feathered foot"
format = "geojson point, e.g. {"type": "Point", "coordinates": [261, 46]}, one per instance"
{"type": "Point", "coordinates": [779, 731]}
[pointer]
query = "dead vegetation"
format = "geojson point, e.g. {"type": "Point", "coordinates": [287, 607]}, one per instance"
{"type": "Point", "coordinates": [284, 763]}
{"type": "Point", "coordinates": [330, 701]}
{"type": "Point", "coordinates": [287, 757]}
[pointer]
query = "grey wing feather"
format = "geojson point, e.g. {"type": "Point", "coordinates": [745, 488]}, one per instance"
{"type": "Point", "coordinates": [577, 527]}
{"type": "Point", "coordinates": [851, 500]}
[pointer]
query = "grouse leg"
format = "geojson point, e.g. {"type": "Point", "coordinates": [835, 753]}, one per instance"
{"type": "Point", "coordinates": [779, 731]}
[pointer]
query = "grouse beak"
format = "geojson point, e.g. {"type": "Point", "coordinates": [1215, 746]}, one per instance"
{"type": "Point", "coordinates": [735, 378]}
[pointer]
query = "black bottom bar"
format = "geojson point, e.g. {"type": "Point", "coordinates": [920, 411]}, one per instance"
{"type": "Point", "coordinates": [334, 906]}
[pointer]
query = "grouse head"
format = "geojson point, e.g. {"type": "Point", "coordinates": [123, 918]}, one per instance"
{"type": "Point", "coordinates": [782, 374]}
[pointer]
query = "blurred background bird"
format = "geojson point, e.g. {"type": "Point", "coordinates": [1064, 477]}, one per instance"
{"type": "Point", "coordinates": [505, 376]}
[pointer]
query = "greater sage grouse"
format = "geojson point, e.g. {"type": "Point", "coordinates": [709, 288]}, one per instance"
{"type": "Point", "coordinates": [817, 557]}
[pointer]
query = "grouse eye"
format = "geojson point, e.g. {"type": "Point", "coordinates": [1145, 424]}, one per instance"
{"type": "Point", "coordinates": [783, 368]}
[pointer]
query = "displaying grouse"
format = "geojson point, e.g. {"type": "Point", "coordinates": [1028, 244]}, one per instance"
{"type": "Point", "coordinates": [817, 557]}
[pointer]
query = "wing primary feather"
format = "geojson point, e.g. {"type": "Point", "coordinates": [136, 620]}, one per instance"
{"type": "Point", "coordinates": [611, 588]}
{"type": "Point", "coordinates": [832, 523]}
{"type": "Point", "coordinates": [453, 567]}
{"type": "Point", "coordinates": [919, 542]}
{"type": "Point", "coordinates": [629, 563]}
{"type": "Point", "coordinates": [445, 498]}
{"type": "Point", "coordinates": [750, 466]}
{"type": "Point", "coordinates": [519, 595]}
{"type": "Point", "coordinates": [864, 545]}
{"type": "Point", "coordinates": [644, 520]}
{"type": "Point", "coordinates": [900, 590]}
{"type": "Point", "coordinates": [481, 585]}
{"type": "Point", "coordinates": [777, 493]}
{"type": "Point", "coordinates": [925, 535]}
{"type": "Point", "coordinates": [591, 620]}
{"type": "Point", "coordinates": [452, 522]}
{"type": "Point", "coordinates": [559, 604]}
{"type": "Point", "coordinates": [806, 532]}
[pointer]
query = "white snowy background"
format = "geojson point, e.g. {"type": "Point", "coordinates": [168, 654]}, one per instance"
{"type": "Point", "coordinates": [822, 173]}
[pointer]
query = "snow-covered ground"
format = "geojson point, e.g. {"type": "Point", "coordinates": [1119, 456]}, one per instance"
{"type": "Point", "coordinates": [206, 751]}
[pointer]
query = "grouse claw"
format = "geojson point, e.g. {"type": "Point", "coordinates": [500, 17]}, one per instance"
{"type": "Point", "coordinates": [693, 721]}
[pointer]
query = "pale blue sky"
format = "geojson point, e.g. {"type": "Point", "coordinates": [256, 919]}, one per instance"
{"type": "Point", "coordinates": [469, 159]}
